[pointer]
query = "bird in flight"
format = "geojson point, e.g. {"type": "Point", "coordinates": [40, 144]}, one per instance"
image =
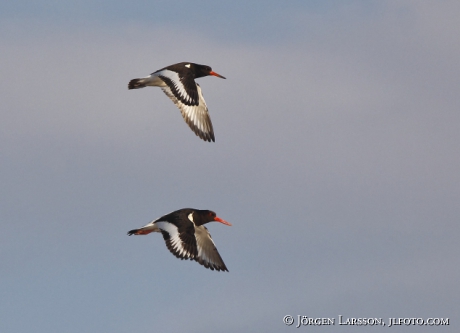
{"type": "Point", "coordinates": [186, 236]}
{"type": "Point", "coordinates": [178, 83]}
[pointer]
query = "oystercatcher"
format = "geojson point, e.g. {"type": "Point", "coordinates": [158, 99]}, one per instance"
{"type": "Point", "coordinates": [178, 83]}
{"type": "Point", "coordinates": [186, 237]}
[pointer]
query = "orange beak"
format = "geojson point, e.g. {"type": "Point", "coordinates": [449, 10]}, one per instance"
{"type": "Point", "coordinates": [215, 74]}
{"type": "Point", "coordinates": [218, 219]}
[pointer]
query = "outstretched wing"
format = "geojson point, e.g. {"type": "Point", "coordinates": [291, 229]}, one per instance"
{"type": "Point", "coordinates": [208, 256]}
{"type": "Point", "coordinates": [180, 240]}
{"type": "Point", "coordinates": [187, 96]}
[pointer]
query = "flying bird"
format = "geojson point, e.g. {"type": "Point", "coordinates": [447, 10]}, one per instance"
{"type": "Point", "coordinates": [178, 83]}
{"type": "Point", "coordinates": [186, 237]}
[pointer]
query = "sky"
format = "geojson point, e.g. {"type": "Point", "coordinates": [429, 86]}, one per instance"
{"type": "Point", "coordinates": [336, 160]}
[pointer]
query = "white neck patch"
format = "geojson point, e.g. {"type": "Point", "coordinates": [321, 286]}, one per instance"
{"type": "Point", "coordinates": [190, 217]}
{"type": "Point", "coordinates": [188, 65]}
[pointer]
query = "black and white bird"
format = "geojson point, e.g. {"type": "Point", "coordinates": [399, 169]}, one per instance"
{"type": "Point", "coordinates": [186, 237]}
{"type": "Point", "coordinates": [178, 82]}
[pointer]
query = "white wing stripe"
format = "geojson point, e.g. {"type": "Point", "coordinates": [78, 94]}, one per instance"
{"type": "Point", "coordinates": [197, 115]}
{"type": "Point", "coordinates": [174, 77]}
{"type": "Point", "coordinates": [175, 240]}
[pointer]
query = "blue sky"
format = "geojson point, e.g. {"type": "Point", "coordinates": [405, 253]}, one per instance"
{"type": "Point", "coordinates": [336, 160]}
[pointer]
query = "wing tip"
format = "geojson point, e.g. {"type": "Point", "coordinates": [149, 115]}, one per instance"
{"type": "Point", "coordinates": [207, 138]}
{"type": "Point", "coordinates": [218, 266]}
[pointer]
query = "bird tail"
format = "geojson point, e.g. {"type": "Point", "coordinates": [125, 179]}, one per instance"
{"type": "Point", "coordinates": [136, 84]}
{"type": "Point", "coordinates": [145, 230]}
{"type": "Point", "coordinates": [141, 231]}
{"type": "Point", "coordinates": [133, 232]}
